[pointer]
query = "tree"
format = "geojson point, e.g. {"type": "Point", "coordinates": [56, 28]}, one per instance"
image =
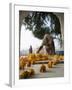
{"type": "Point", "coordinates": [42, 22]}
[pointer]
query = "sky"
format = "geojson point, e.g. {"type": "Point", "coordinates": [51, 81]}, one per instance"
{"type": "Point", "coordinates": [27, 39]}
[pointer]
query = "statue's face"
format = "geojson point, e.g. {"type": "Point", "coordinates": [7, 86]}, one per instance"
{"type": "Point", "coordinates": [47, 36]}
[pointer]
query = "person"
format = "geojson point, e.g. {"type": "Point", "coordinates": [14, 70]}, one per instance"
{"type": "Point", "coordinates": [48, 43]}
{"type": "Point", "coordinates": [30, 49]}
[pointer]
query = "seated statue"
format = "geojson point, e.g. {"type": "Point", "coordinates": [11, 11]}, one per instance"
{"type": "Point", "coordinates": [48, 43]}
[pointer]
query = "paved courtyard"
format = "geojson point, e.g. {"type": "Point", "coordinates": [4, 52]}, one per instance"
{"type": "Point", "coordinates": [56, 71]}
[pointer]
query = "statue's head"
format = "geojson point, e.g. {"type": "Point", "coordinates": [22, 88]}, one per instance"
{"type": "Point", "coordinates": [47, 35]}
